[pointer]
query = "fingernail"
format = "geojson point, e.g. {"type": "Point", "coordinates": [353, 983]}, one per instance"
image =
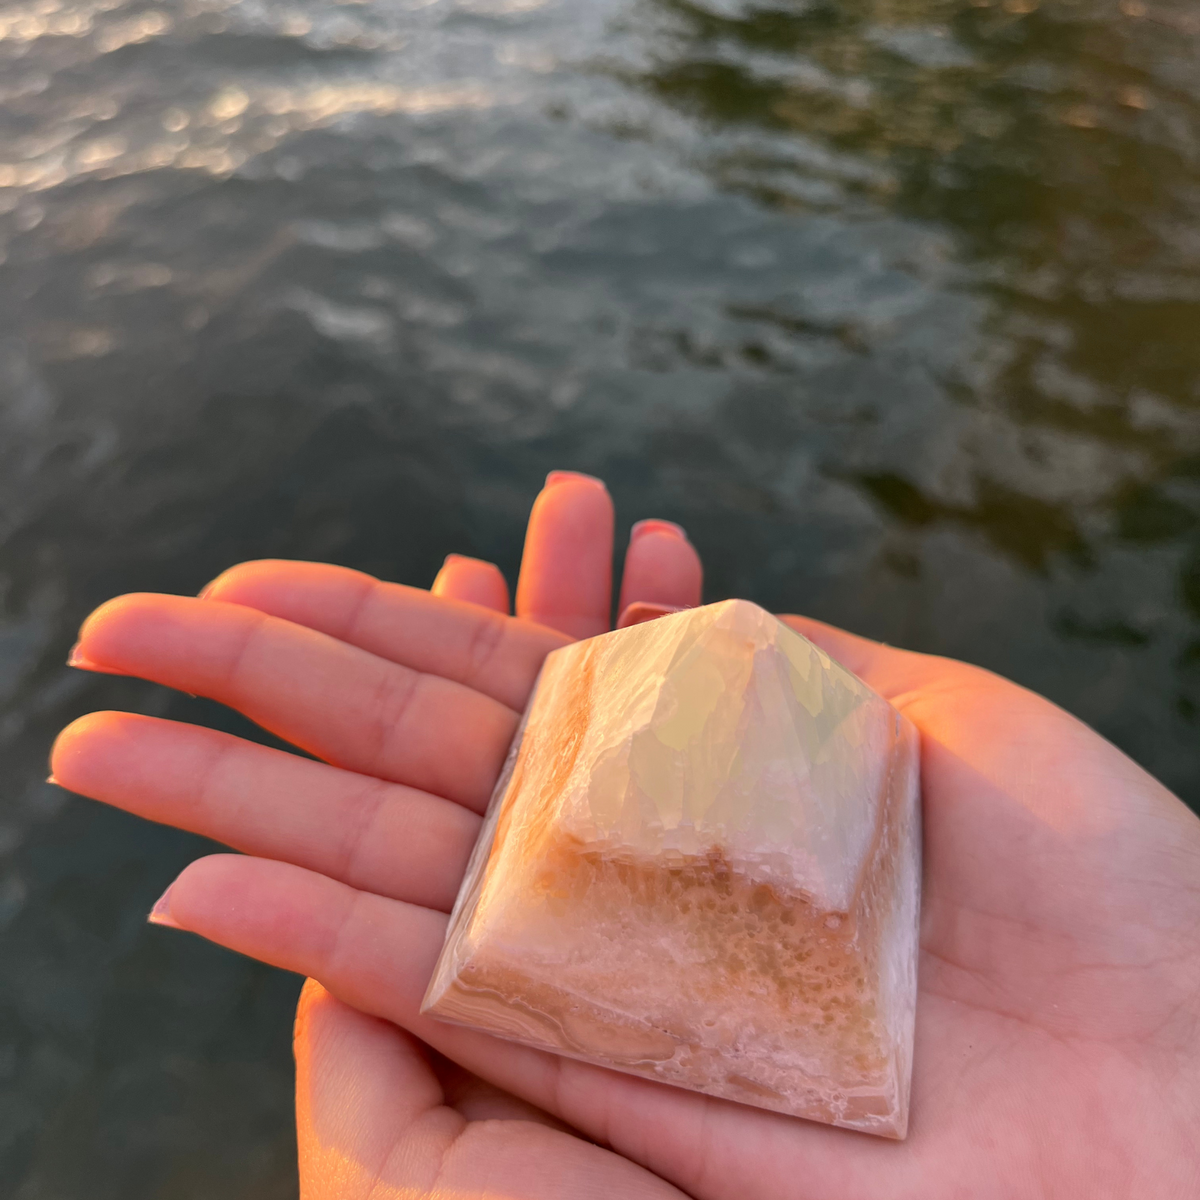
{"type": "Point", "coordinates": [557, 477]}
{"type": "Point", "coordinates": [207, 589]}
{"type": "Point", "coordinates": [160, 914]}
{"type": "Point", "coordinates": [449, 561]}
{"type": "Point", "coordinates": [655, 525]}
{"type": "Point", "coordinates": [50, 779]}
{"type": "Point", "coordinates": [641, 610]}
{"type": "Point", "coordinates": [80, 660]}
{"type": "Point", "coordinates": [77, 658]}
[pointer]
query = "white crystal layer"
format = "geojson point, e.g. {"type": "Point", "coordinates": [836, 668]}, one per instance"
{"type": "Point", "coordinates": [723, 727]}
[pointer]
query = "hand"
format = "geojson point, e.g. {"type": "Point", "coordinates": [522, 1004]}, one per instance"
{"type": "Point", "coordinates": [1060, 970]}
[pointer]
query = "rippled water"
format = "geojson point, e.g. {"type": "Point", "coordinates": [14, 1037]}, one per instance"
{"type": "Point", "coordinates": [895, 304]}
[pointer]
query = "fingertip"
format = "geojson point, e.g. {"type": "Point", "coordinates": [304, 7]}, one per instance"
{"type": "Point", "coordinates": [109, 611]}
{"type": "Point", "coordinates": [81, 661]}
{"type": "Point", "coordinates": [242, 583]}
{"type": "Point", "coordinates": [209, 890]}
{"type": "Point", "coordinates": [92, 649]}
{"type": "Point", "coordinates": [267, 908]}
{"type": "Point", "coordinates": [75, 743]}
{"type": "Point", "coordinates": [312, 999]}
{"type": "Point", "coordinates": [160, 914]}
{"type": "Point", "coordinates": [656, 525]}
{"type": "Point", "coordinates": [80, 728]}
{"type": "Point", "coordinates": [311, 994]}
{"type": "Point", "coordinates": [662, 567]}
{"type": "Point", "coordinates": [554, 478]}
{"type": "Point", "coordinates": [317, 1013]}
{"type": "Point", "coordinates": [638, 613]}
{"type": "Point", "coordinates": [472, 580]}
{"type": "Point", "coordinates": [566, 569]}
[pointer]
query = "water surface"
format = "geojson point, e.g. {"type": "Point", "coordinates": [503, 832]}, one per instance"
{"type": "Point", "coordinates": [895, 305]}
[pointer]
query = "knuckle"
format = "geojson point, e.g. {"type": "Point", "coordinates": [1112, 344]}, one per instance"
{"type": "Point", "coordinates": [486, 640]}
{"type": "Point", "coordinates": [395, 696]}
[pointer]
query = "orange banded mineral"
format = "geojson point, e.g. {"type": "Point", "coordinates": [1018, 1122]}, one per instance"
{"type": "Point", "coordinates": [701, 864]}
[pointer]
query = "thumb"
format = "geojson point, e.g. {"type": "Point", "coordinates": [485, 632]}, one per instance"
{"type": "Point", "coordinates": [363, 1088]}
{"type": "Point", "coordinates": [373, 1123]}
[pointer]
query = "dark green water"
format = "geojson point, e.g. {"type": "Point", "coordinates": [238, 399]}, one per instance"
{"type": "Point", "coordinates": [896, 306]}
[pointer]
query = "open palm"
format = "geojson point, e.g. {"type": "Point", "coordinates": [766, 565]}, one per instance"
{"type": "Point", "coordinates": [1058, 1020]}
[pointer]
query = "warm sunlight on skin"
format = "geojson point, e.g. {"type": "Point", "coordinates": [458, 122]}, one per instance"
{"type": "Point", "coordinates": [1058, 1025]}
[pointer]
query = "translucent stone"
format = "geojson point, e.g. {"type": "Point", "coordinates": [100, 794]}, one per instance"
{"type": "Point", "coordinates": [701, 864]}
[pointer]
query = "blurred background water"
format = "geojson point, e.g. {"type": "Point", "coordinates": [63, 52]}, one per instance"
{"type": "Point", "coordinates": [895, 304]}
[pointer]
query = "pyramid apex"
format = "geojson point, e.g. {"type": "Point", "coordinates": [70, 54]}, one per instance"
{"type": "Point", "coordinates": [745, 608]}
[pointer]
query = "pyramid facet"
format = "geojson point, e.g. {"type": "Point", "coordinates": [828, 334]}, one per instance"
{"type": "Point", "coordinates": [701, 864]}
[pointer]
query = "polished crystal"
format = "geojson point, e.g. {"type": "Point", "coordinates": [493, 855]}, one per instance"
{"type": "Point", "coordinates": [701, 864]}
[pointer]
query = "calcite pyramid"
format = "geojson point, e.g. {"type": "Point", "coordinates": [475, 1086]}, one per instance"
{"type": "Point", "coordinates": [701, 864]}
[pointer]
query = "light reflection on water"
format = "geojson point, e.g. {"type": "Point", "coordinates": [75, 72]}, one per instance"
{"type": "Point", "coordinates": [893, 304]}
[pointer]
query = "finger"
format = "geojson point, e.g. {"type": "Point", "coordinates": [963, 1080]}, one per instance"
{"type": "Point", "coordinates": [381, 837]}
{"type": "Point", "coordinates": [350, 708]}
{"type": "Point", "coordinates": [372, 1123]}
{"type": "Point", "coordinates": [376, 955]}
{"type": "Point", "coordinates": [566, 570]}
{"type": "Point", "coordinates": [497, 656]}
{"type": "Point", "coordinates": [661, 567]}
{"type": "Point", "coordinates": [362, 1088]}
{"type": "Point", "coordinates": [472, 580]}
